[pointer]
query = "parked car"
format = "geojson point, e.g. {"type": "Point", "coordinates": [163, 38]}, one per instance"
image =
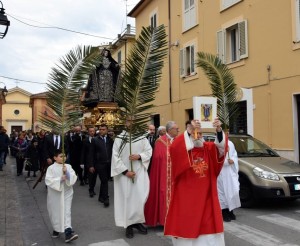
{"type": "Point", "coordinates": [263, 174]}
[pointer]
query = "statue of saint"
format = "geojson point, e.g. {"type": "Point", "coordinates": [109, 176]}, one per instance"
{"type": "Point", "coordinates": [102, 82]}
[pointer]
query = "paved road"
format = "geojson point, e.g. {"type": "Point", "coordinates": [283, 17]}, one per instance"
{"type": "Point", "coordinates": [26, 220]}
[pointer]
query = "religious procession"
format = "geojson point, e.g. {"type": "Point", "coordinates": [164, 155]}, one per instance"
{"type": "Point", "coordinates": [148, 139]}
{"type": "Point", "coordinates": [155, 173]}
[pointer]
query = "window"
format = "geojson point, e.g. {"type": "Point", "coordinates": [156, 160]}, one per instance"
{"type": "Point", "coordinates": [187, 61]}
{"type": "Point", "coordinates": [153, 20]}
{"type": "Point", "coordinates": [232, 43]}
{"type": "Point", "coordinates": [119, 57]}
{"type": "Point", "coordinates": [189, 14]}
{"type": "Point", "coordinates": [228, 3]}
{"type": "Point", "coordinates": [297, 24]}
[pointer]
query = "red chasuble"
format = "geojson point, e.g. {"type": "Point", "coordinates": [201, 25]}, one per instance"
{"type": "Point", "coordinates": [156, 205]}
{"type": "Point", "coordinates": [194, 207]}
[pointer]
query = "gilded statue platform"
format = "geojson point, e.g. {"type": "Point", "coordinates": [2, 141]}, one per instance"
{"type": "Point", "coordinates": [107, 113]}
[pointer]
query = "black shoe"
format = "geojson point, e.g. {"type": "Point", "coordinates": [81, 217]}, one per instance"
{"type": "Point", "coordinates": [129, 232]}
{"type": "Point", "coordinates": [81, 183]}
{"type": "Point", "coordinates": [225, 214]}
{"type": "Point", "coordinates": [86, 181]}
{"type": "Point", "coordinates": [106, 203]}
{"type": "Point", "coordinates": [18, 174]}
{"type": "Point", "coordinates": [141, 228]}
{"type": "Point", "coordinates": [232, 215]}
{"type": "Point", "coordinates": [1, 169]}
{"type": "Point", "coordinates": [55, 234]}
{"type": "Point", "coordinates": [101, 200]}
{"type": "Point", "coordinates": [91, 193]}
{"type": "Point", "coordinates": [34, 175]}
{"type": "Point", "coordinates": [70, 237]}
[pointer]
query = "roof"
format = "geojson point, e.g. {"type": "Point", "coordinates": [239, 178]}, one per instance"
{"type": "Point", "coordinates": [39, 95]}
{"type": "Point", "coordinates": [18, 89]}
{"type": "Point", "coordinates": [137, 9]}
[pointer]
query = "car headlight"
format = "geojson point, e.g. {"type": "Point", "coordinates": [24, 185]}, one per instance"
{"type": "Point", "coordinates": [265, 174]}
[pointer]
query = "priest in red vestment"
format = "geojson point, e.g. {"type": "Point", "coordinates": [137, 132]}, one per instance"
{"type": "Point", "coordinates": [194, 215]}
{"type": "Point", "coordinates": [156, 205]}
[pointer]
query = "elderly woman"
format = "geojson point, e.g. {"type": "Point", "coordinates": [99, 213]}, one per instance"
{"type": "Point", "coordinates": [161, 131]}
{"type": "Point", "coordinates": [20, 145]}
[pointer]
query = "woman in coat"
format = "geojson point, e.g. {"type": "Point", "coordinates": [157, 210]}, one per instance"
{"type": "Point", "coordinates": [20, 145]}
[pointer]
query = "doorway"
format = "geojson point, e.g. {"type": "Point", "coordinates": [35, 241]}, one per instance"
{"type": "Point", "coordinates": [16, 128]}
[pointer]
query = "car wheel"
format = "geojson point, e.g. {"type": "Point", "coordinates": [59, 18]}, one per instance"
{"type": "Point", "coordinates": [246, 193]}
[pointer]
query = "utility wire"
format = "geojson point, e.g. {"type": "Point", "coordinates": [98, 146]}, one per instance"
{"type": "Point", "coordinates": [59, 28]}
{"type": "Point", "coordinates": [27, 81]}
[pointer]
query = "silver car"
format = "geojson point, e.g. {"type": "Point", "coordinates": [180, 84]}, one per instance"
{"type": "Point", "coordinates": [263, 174]}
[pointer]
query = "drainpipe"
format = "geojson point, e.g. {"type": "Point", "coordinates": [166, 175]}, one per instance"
{"type": "Point", "coordinates": [170, 62]}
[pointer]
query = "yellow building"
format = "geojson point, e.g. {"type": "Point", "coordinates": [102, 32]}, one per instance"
{"type": "Point", "coordinates": [258, 39]}
{"type": "Point", "coordinates": [122, 45]}
{"type": "Point", "coordinates": [16, 113]}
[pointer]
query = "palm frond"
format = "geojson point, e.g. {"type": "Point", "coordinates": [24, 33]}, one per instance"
{"type": "Point", "coordinates": [140, 80]}
{"type": "Point", "coordinates": [64, 83]}
{"type": "Point", "coordinates": [222, 85]}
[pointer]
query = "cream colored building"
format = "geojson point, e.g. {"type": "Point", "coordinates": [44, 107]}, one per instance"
{"type": "Point", "coordinates": [16, 113]}
{"type": "Point", "coordinates": [258, 39]}
{"type": "Point", "coordinates": [121, 47]}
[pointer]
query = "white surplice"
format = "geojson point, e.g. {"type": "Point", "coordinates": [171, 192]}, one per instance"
{"type": "Point", "coordinates": [228, 181]}
{"type": "Point", "coordinates": [216, 239]}
{"type": "Point", "coordinates": [60, 194]}
{"type": "Point", "coordinates": [129, 197]}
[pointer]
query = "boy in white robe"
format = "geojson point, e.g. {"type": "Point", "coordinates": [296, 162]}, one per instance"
{"type": "Point", "coordinates": [60, 180]}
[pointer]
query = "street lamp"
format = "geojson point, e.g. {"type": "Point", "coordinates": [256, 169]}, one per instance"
{"type": "Point", "coordinates": [3, 22]}
{"type": "Point", "coordinates": [3, 90]}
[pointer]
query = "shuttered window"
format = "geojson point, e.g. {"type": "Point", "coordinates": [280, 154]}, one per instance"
{"type": "Point", "coordinates": [153, 20]}
{"type": "Point", "coordinates": [297, 24]}
{"type": "Point", "coordinates": [189, 14]}
{"type": "Point", "coordinates": [232, 42]}
{"type": "Point", "coordinates": [119, 57]}
{"type": "Point", "coordinates": [228, 3]}
{"type": "Point", "coordinates": [187, 61]}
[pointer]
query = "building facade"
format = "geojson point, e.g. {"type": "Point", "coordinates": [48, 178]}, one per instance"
{"type": "Point", "coordinates": [16, 113]}
{"type": "Point", "coordinates": [259, 40]}
{"type": "Point", "coordinates": [38, 104]}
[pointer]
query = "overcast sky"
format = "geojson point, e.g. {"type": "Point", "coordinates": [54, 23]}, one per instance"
{"type": "Point", "coordinates": [28, 53]}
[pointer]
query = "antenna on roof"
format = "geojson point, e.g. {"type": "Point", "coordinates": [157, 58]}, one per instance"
{"type": "Point", "coordinates": [126, 11]}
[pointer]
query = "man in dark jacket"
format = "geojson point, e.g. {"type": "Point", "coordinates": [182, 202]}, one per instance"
{"type": "Point", "coordinates": [85, 154]}
{"type": "Point", "coordinates": [100, 161]}
{"type": "Point", "coordinates": [151, 136]}
{"type": "Point", "coordinates": [4, 142]}
{"type": "Point", "coordinates": [74, 141]}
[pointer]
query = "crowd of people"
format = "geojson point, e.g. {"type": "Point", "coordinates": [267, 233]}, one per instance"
{"type": "Point", "coordinates": [163, 179]}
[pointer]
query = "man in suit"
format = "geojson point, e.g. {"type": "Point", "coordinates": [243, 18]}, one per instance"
{"type": "Point", "coordinates": [85, 153]}
{"type": "Point", "coordinates": [100, 161]}
{"type": "Point", "coordinates": [75, 146]}
{"type": "Point", "coordinates": [52, 142]}
{"type": "Point", "coordinates": [151, 136]}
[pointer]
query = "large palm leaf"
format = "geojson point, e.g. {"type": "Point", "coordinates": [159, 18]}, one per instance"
{"type": "Point", "coordinates": [222, 85]}
{"type": "Point", "coordinates": [63, 85]}
{"type": "Point", "coordinates": [140, 80]}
